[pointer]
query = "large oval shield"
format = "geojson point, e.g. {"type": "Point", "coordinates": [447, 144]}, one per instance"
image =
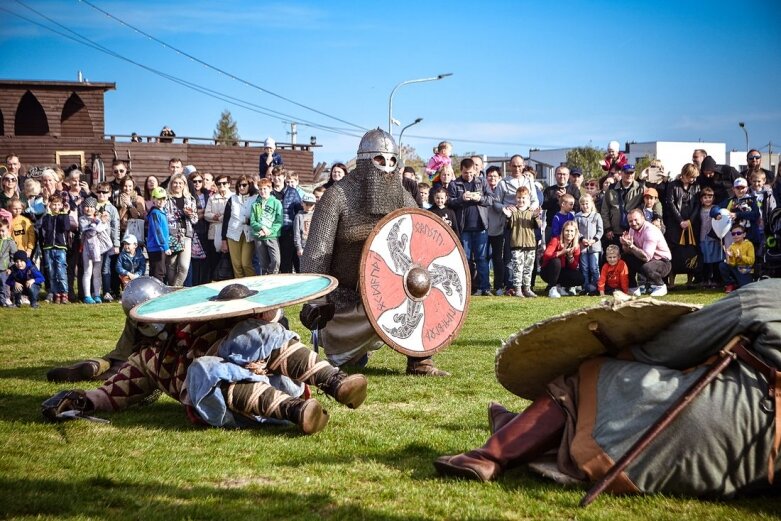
{"type": "Point", "coordinates": [414, 282]}
{"type": "Point", "coordinates": [533, 357]}
{"type": "Point", "coordinates": [234, 298]}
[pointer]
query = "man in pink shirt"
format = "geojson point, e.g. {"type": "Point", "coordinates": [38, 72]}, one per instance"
{"type": "Point", "coordinates": [646, 252]}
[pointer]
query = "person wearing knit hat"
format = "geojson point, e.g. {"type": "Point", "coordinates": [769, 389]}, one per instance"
{"type": "Point", "coordinates": [269, 158]}
{"type": "Point", "coordinates": [90, 202]}
{"type": "Point", "coordinates": [24, 280]}
{"type": "Point", "coordinates": [614, 157]}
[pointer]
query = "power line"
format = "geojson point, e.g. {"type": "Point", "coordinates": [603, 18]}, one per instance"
{"type": "Point", "coordinates": [203, 90]}
{"type": "Point", "coordinates": [217, 69]}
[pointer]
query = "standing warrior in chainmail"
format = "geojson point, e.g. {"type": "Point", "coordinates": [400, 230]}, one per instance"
{"type": "Point", "coordinates": [342, 222]}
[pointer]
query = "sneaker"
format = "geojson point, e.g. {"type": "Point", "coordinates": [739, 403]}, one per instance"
{"type": "Point", "coordinates": [519, 293]}
{"type": "Point", "coordinates": [25, 300]}
{"type": "Point", "coordinates": [729, 288]}
{"type": "Point", "coordinates": [97, 300]}
{"type": "Point", "coordinates": [89, 300]}
{"type": "Point", "coordinates": [485, 293]}
{"type": "Point", "coordinates": [509, 292]}
{"type": "Point", "coordinates": [64, 298]}
{"type": "Point", "coordinates": [573, 291]}
{"type": "Point", "coordinates": [635, 292]}
{"type": "Point", "coordinates": [528, 293]}
{"type": "Point", "coordinates": [50, 298]}
{"type": "Point", "coordinates": [499, 292]}
{"type": "Point", "coordinates": [108, 298]}
{"type": "Point", "coordinates": [56, 298]}
{"type": "Point", "coordinates": [34, 305]}
{"type": "Point", "coordinates": [659, 291]}
{"type": "Point", "coordinates": [554, 292]}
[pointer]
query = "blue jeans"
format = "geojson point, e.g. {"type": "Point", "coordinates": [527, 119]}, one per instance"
{"type": "Point", "coordinates": [57, 270]}
{"type": "Point", "coordinates": [476, 246]}
{"type": "Point", "coordinates": [108, 269]}
{"type": "Point", "coordinates": [589, 267]}
{"type": "Point", "coordinates": [31, 293]}
{"type": "Point", "coordinates": [738, 275]}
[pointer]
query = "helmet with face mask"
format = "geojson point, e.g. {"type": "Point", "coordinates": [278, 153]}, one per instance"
{"type": "Point", "coordinates": [379, 147]}
{"type": "Point", "coordinates": [139, 291]}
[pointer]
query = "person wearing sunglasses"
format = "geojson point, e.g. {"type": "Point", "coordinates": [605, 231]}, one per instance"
{"type": "Point", "coordinates": [737, 269]}
{"type": "Point", "coordinates": [754, 165]}
{"type": "Point", "coordinates": [214, 213]}
{"type": "Point", "coordinates": [202, 247]}
{"type": "Point", "coordinates": [743, 211]}
{"type": "Point", "coordinates": [237, 236]}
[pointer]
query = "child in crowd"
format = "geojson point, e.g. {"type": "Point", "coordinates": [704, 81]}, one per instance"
{"type": "Point", "coordinates": [439, 197]}
{"type": "Point", "coordinates": [7, 250]}
{"type": "Point", "coordinates": [24, 279]}
{"type": "Point", "coordinates": [158, 237]}
{"type": "Point", "coordinates": [22, 228]}
{"type": "Point", "coordinates": [56, 229]}
{"type": "Point", "coordinates": [131, 263]}
{"type": "Point", "coordinates": [764, 198]}
{"type": "Point", "coordinates": [744, 210]}
{"type": "Point", "coordinates": [95, 240]}
{"type": "Point", "coordinates": [440, 158]}
{"type": "Point", "coordinates": [424, 189]}
{"type": "Point", "coordinates": [650, 198]}
{"type": "Point", "coordinates": [590, 229]}
{"type": "Point", "coordinates": [302, 223]}
{"type": "Point", "coordinates": [318, 193]}
{"type": "Point", "coordinates": [291, 206]}
{"type": "Point", "coordinates": [523, 221]}
{"type": "Point", "coordinates": [710, 244]}
{"type": "Point", "coordinates": [615, 273]}
{"type": "Point", "coordinates": [566, 204]}
{"type": "Point", "coordinates": [36, 206]}
{"type": "Point", "coordinates": [738, 268]}
{"type": "Point", "coordinates": [266, 223]}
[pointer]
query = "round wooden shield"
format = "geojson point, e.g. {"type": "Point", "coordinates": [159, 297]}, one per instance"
{"type": "Point", "coordinates": [233, 298]}
{"type": "Point", "coordinates": [533, 357]}
{"type": "Point", "coordinates": [414, 282]}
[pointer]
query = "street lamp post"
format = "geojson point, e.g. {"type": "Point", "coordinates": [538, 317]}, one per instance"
{"type": "Point", "coordinates": [417, 120]}
{"type": "Point", "coordinates": [390, 98]}
{"type": "Point", "coordinates": [743, 126]}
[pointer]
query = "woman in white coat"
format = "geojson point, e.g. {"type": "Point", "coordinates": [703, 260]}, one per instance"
{"type": "Point", "coordinates": [236, 233]}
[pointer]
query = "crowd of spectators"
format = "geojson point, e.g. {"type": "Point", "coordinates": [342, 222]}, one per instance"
{"type": "Point", "coordinates": [626, 231]}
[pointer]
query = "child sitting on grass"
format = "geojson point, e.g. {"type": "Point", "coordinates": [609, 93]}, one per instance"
{"type": "Point", "coordinates": [615, 273]}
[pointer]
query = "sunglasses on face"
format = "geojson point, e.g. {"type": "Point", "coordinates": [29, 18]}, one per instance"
{"type": "Point", "coordinates": [736, 233]}
{"type": "Point", "coordinates": [197, 181]}
{"type": "Point", "coordinates": [103, 192]}
{"type": "Point", "coordinates": [755, 157]}
{"type": "Point", "coordinates": [223, 183]}
{"type": "Point", "coordinates": [9, 179]}
{"type": "Point", "coordinates": [243, 185]}
{"type": "Point", "coordinates": [120, 171]}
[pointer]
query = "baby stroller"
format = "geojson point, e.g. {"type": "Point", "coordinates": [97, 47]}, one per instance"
{"type": "Point", "coordinates": [771, 248]}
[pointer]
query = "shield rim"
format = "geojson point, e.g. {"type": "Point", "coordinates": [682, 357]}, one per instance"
{"type": "Point", "coordinates": [365, 299]}
{"type": "Point", "coordinates": [333, 283]}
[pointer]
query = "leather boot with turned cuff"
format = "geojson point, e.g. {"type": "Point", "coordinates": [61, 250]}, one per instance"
{"type": "Point", "coordinates": [423, 367]}
{"type": "Point", "coordinates": [261, 399]}
{"type": "Point", "coordinates": [530, 434]}
{"type": "Point", "coordinates": [78, 372]}
{"type": "Point", "coordinates": [300, 363]}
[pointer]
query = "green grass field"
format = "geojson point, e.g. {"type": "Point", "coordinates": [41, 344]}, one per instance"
{"type": "Point", "coordinates": [371, 463]}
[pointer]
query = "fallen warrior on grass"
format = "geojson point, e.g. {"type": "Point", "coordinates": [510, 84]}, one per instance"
{"type": "Point", "coordinates": [228, 372]}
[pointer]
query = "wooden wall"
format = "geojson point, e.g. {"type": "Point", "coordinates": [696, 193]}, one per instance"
{"type": "Point", "coordinates": [152, 158]}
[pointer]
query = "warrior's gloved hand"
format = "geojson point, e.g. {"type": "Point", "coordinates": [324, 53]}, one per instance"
{"type": "Point", "coordinates": [75, 400]}
{"type": "Point", "coordinates": [315, 315]}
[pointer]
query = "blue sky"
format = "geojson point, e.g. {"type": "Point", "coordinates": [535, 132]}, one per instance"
{"type": "Point", "coordinates": [543, 74]}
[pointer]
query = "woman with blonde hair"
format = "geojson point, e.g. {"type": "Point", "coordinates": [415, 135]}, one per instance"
{"type": "Point", "coordinates": [182, 213]}
{"type": "Point", "coordinates": [561, 261]}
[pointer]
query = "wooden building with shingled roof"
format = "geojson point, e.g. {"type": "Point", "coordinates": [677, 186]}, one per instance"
{"type": "Point", "coordinates": [47, 123]}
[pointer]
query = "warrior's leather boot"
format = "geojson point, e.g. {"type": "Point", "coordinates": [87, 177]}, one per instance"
{"type": "Point", "coordinates": [347, 389]}
{"type": "Point", "coordinates": [78, 372]}
{"type": "Point", "coordinates": [423, 367]}
{"type": "Point", "coordinates": [529, 434]}
{"type": "Point", "coordinates": [299, 363]}
{"type": "Point", "coordinates": [66, 401]}
{"type": "Point", "coordinates": [498, 416]}
{"type": "Point", "coordinates": [261, 399]}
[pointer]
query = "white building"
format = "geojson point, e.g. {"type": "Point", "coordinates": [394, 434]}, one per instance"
{"type": "Point", "coordinates": [675, 154]}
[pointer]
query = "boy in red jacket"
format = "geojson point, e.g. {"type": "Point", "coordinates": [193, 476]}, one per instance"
{"type": "Point", "coordinates": [615, 273]}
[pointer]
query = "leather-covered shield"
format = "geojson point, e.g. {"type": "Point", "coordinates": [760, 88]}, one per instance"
{"type": "Point", "coordinates": [414, 282]}
{"type": "Point", "coordinates": [233, 298]}
{"type": "Point", "coordinates": [533, 357]}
